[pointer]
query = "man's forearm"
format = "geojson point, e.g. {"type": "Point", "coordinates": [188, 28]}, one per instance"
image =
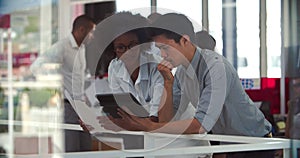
{"type": "Point", "coordinates": [166, 111]}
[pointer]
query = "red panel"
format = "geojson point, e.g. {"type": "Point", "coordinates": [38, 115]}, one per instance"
{"type": "Point", "coordinates": [270, 91]}
{"type": "Point", "coordinates": [20, 59]}
{"type": "Point", "coordinates": [5, 21]}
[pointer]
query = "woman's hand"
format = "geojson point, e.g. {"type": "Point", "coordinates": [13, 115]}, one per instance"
{"type": "Point", "coordinates": [126, 122]}
{"type": "Point", "coordinates": [108, 122]}
{"type": "Point", "coordinates": [135, 123]}
{"type": "Point", "coordinates": [85, 127]}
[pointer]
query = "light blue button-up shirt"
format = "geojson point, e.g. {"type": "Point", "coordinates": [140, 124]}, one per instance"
{"type": "Point", "coordinates": [148, 87]}
{"type": "Point", "coordinates": [213, 86]}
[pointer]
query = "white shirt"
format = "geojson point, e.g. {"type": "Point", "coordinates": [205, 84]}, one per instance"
{"type": "Point", "coordinates": [148, 87]}
{"type": "Point", "coordinates": [71, 58]}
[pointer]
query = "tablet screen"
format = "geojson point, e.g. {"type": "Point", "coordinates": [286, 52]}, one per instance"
{"type": "Point", "coordinates": [125, 101]}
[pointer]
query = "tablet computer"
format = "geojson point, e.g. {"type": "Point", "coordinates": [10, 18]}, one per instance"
{"type": "Point", "coordinates": [125, 101]}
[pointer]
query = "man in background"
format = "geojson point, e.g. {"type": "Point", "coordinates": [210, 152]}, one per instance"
{"type": "Point", "coordinates": [205, 41]}
{"type": "Point", "coordinates": [69, 53]}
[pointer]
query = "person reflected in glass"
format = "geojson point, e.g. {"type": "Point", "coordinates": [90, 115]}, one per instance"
{"type": "Point", "coordinates": [69, 54]}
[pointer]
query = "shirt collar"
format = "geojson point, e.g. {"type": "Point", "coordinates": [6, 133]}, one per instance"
{"type": "Point", "coordinates": [122, 71]}
{"type": "Point", "coordinates": [143, 72]}
{"type": "Point", "coordinates": [73, 41]}
{"type": "Point", "coordinates": [190, 71]}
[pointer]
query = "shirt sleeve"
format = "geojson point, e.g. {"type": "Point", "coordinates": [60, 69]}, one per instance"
{"type": "Point", "coordinates": [176, 93]}
{"type": "Point", "coordinates": [53, 55]}
{"type": "Point", "coordinates": [212, 97]}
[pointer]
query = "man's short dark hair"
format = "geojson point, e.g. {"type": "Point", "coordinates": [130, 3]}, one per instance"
{"type": "Point", "coordinates": [173, 26]}
{"type": "Point", "coordinates": [83, 20]}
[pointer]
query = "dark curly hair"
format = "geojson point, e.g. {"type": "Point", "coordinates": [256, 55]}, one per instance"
{"type": "Point", "coordinates": [115, 26]}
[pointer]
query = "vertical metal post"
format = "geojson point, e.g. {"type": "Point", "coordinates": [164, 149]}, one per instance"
{"type": "Point", "coordinates": [1, 41]}
{"type": "Point", "coordinates": [45, 25]}
{"type": "Point", "coordinates": [64, 16]}
{"type": "Point", "coordinates": [286, 153]}
{"type": "Point", "coordinates": [284, 44]}
{"type": "Point", "coordinates": [205, 23]}
{"type": "Point", "coordinates": [10, 93]}
{"type": "Point", "coordinates": [229, 31]}
{"type": "Point", "coordinates": [149, 143]}
{"type": "Point", "coordinates": [263, 39]}
{"type": "Point", "coordinates": [153, 6]}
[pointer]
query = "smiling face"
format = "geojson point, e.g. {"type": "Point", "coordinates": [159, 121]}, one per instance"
{"type": "Point", "coordinates": [126, 47]}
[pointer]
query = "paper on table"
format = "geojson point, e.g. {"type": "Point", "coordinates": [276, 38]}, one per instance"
{"type": "Point", "coordinates": [86, 114]}
{"type": "Point", "coordinates": [90, 93]}
{"type": "Point", "coordinates": [98, 86]}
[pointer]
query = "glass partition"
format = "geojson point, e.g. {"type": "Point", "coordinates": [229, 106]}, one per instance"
{"type": "Point", "coordinates": [248, 42]}
{"type": "Point", "coordinates": [191, 8]}
{"type": "Point", "coordinates": [30, 106]}
{"type": "Point", "coordinates": [144, 5]}
{"type": "Point", "coordinates": [273, 39]}
{"type": "Point", "coordinates": [215, 22]}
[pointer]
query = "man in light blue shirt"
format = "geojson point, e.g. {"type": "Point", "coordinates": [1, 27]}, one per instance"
{"type": "Point", "coordinates": [204, 79]}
